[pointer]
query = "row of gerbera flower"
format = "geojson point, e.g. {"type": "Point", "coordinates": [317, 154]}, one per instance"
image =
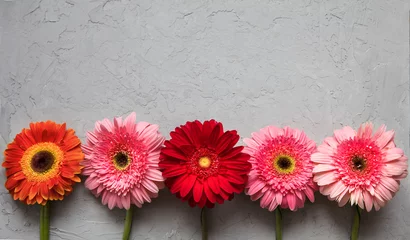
{"type": "Point", "coordinates": [127, 163]}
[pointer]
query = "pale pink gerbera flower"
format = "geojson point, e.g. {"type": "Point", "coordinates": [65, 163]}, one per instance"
{"type": "Point", "coordinates": [121, 162]}
{"type": "Point", "coordinates": [360, 168]}
{"type": "Point", "coordinates": [281, 172]}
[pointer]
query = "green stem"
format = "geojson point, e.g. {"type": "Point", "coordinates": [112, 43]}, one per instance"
{"type": "Point", "coordinates": [278, 215]}
{"type": "Point", "coordinates": [128, 223]}
{"type": "Point", "coordinates": [356, 223]}
{"type": "Point", "coordinates": [45, 222]}
{"type": "Point", "coordinates": [204, 228]}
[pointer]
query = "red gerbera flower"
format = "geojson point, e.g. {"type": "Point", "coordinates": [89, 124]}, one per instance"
{"type": "Point", "coordinates": [201, 164]}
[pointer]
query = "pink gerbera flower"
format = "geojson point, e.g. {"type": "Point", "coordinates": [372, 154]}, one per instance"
{"type": "Point", "coordinates": [281, 172]}
{"type": "Point", "coordinates": [121, 162]}
{"type": "Point", "coordinates": [358, 167]}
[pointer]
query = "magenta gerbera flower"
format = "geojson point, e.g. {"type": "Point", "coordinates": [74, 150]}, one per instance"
{"type": "Point", "coordinates": [359, 167]}
{"type": "Point", "coordinates": [121, 162]}
{"type": "Point", "coordinates": [281, 172]}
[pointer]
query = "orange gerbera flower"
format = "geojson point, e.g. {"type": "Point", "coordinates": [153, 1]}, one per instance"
{"type": "Point", "coordinates": [42, 163]}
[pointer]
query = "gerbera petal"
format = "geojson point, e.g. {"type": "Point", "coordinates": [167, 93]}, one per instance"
{"type": "Point", "coordinates": [385, 138]}
{"type": "Point", "coordinates": [198, 190]}
{"type": "Point", "coordinates": [187, 185]}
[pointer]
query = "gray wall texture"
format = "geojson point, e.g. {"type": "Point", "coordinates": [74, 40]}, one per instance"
{"type": "Point", "coordinates": [314, 65]}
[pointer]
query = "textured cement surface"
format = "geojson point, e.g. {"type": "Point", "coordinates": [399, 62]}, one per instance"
{"type": "Point", "coordinates": [314, 65]}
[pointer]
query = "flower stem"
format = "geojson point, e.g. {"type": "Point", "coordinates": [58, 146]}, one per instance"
{"type": "Point", "coordinates": [278, 215]}
{"type": "Point", "coordinates": [128, 223]}
{"type": "Point", "coordinates": [204, 228]}
{"type": "Point", "coordinates": [45, 221]}
{"type": "Point", "coordinates": [356, 223]}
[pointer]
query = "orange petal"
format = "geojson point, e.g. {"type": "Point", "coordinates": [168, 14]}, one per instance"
{"type": "Point", "coordinates": [39, 199]}
{"type": "Point", "coordinates": [59, 189]}
{"type": "Point", "coordinates": [44, 191]}
{"type": "Point", "coordinates": [76, 179]}
{"type": "Point", "coordinates": [33, 191]}
{"type": "Point", "coordinates": [11, 183]}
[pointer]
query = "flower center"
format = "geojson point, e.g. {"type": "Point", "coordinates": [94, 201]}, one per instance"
{"type": "Point", "coordinates": [121, 160]}
{"type": "Point", "coordinates": [284, 164]}
{"type": "Point", "coordinates": [204, 162]}
{"type": "Point", "coordinates": [42, 161]}
{"type": "Point", "coordinates": [358, 163]}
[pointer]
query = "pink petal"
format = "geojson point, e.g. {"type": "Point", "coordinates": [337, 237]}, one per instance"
{"type": "Point", "coordinates": [338, 188]}
{"type": "Point", "coordinates": [393, 154]}
{"type": "Point", "coordinates": [267, 199]}
{"type": "Point", "coordinates": [310, 194]}
{"type": "Point", "coordinates": [321, 158]}
{"type": "Point", "coordinates": [154, 175]}
{"type": "Point", "coordinates": [258, 185]}
{"type": "Point", "coordinates": [141, 126]}
{"type": "Point", "coordinates": [365, 130]}
{"type": "Point", "coordinates": [279, 197]}
{"type": "Point", "coordinates": [258, 137]}
{"type": "Point", "coordinates": [331, 141]}
{"type": "Point", "coordinates": [390, 184]}
{"type": "Point", "coordinates": [251, 143]}
{"type": "Point", "coordinates": [344, 134]}
{"type": "Point", "coordinates": [291, 201]}
{"type": "Point", "coordinates": [385, 138]}
{"type": "Point", "coordinates": [368, 201]}
{"type": "Point", "coordinates": [150, 185]}
{"type": "Point", "coordinates": [323, 168]}
{"type": "Point", "coordinates": [379, 132]}
{"type": "Point", "coordinates": [274, 131]}
{"type": "Point", "coordinates": [126, 201]}
{"type": "Point", "coordinates": [344, 200]}
{"type": "Point", "coordinates": [91, 183]}
{"type": "Point", "coordinates": [129, 122]}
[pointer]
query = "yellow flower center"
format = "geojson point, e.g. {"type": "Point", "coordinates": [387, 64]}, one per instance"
{"type": "Point", "coordinates": [121, 161]}
{"type": "Point", "coordinates": [41, 161]}
{"type": "Point", "coordinates": [204, 162]}
{"type": "Point", "coordinates": [284, 164]}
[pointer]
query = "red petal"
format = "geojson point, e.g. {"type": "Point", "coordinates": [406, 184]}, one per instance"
{"type": "Point", "coordinates": [206, 131]}
{"type": "Point", "coordinates": [233, 177]}
{"type": "Point", "coordinates": [227, 141]}
{"type": "Point", "coordinates": [198, 190]}
{"type": "Point", "coordinates": [243, 157]}
{"type": "Point", "coordinates": [186, 132]}
{"type": "Point", "coordinates": [216, 133]}
{"type": "Point", "coordinates": [209, 193]}
{"type": "Point", "coordinates": [232, 152]}
{"type": "Point", "coordinates": [196, 133]}
{"type": "Point", "coordinates": [177, 183]}
{"type": "Point", "coordinates": [225, 185]}
{"type": "Point", "coordinates": [188, 150]}
{"type": "Point", "coordinates": [173, 153]}
{"type": "Point", "coordinates": [214, 184]}
{"type": "Point", "coordinates": [179, 138]}
{"type": "Point", "coordinates": [188, 184]}
{"type": "Point", "coordinates": [174, 171]}
{"type": "Point", "coordinates": [203, 200]}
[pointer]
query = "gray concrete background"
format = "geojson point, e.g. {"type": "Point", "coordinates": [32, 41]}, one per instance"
{"type": "Point", "coordinates": [314, 65]}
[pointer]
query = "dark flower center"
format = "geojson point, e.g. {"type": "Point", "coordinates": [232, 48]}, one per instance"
{"type": "Point", "coordinates": [358, 163]}
{"type": "Point", "coordinates": [284, 163]}
{"type": "Point", "coordinates": [42, 161]}
{"type": "Point", "coordinates": [121, 160]}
